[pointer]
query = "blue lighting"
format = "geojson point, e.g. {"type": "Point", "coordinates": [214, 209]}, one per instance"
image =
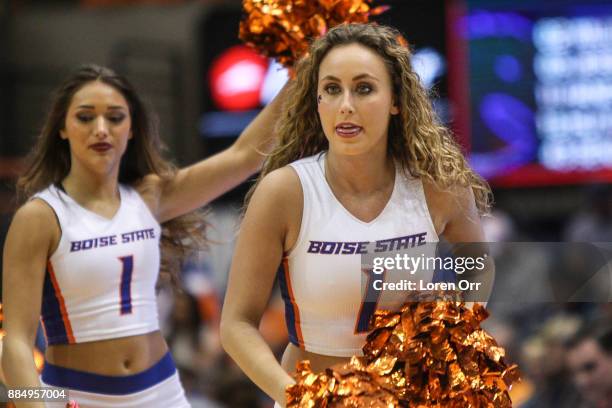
{"type": "Point", "coordinates": [508, 68]}
{"type": "Point", "coordinates": [485, 24]}
{"type": "Point", "coordinates": [225, 124]}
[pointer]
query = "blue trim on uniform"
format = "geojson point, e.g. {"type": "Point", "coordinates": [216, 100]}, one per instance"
{"type": "Point", "coordinates": [289, 312]}
{"type": "Point", "coordinates": [52, 315]}
{"type": "Point", "coordinates": [110, 385]}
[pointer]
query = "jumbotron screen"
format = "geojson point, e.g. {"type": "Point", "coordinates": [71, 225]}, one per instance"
{"type": "Point", "coordinates": [532, 90]}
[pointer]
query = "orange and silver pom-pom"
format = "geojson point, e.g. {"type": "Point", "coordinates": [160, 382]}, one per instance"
{"type": "Point", "coordinates": [282, 29]}
{"type": "Point", "coordinates": [430, 354]}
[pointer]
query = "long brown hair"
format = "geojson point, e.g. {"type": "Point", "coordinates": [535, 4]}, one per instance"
{"type": "Point", "coordinates": [417, 141]}
{"type": "Point", "coordinates": [49, 161]}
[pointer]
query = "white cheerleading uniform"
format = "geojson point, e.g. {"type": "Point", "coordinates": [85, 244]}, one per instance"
{"type": "Point", "coordinates": [100, 284]}
{"type": "Point", "coordinates": [100, 281]}
{"type": "Point", "coordinates": [322, 283]}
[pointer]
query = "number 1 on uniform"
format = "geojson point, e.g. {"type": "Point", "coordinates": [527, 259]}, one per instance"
{"type": "Point", "coordinates": [369, 302]}
{"type": "Point", "coordinates": [125, 289]}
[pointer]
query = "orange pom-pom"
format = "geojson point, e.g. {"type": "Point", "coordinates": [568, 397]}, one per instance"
{"type": "Point", "coordinates": [283, 29]}
{"type": "Point", "coordinates": [430, 354]}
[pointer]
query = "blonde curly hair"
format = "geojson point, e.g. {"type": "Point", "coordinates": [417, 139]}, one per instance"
{"type": "Point", "coordinates": [417, 141]}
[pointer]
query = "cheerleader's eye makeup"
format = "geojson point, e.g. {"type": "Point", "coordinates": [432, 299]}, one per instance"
{"type": "Point", "coordinates": [332, 89]}
{"type": "Point", "coordinates": [364, 89]}
{"type": "Point", "coordinates": [82, 117]}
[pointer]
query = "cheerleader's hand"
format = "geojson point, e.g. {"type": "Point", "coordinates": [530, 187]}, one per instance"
{"type": "Point", "coordinates": [72, 404]}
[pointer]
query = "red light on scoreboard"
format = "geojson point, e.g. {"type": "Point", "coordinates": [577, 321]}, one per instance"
{"type": "Point", "coordinates": [236, 78]}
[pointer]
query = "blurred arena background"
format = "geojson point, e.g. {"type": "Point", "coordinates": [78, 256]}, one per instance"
{"type": "Point", "coordinates": [526, 85]}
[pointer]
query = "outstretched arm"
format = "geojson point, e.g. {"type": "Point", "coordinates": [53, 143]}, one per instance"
{"type": "Point", "coordinates": [202, 182]}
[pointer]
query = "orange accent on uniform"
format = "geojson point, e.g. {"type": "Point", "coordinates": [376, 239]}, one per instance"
{"type": "Point", "coordinates": [42, 324]}
{"type": "Point", "coordinates": [296, 311]}
{"type": "Point", "coordinates": [60, 300]}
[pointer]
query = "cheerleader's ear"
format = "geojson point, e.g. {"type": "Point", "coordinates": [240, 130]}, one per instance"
{"type": "Point", "coordinates": [394, 109]}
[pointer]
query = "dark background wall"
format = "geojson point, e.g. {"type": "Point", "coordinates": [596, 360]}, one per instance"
{"type": "Point", "coordinates": [164, 47]}
{"type": "Point", "coordinates": [156, 46]}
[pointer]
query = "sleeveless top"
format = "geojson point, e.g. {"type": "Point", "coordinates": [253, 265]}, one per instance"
{"type": "Point", "coordinates": [100, 281]}
{"type": "Point", "coordinates": [323, 279]}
